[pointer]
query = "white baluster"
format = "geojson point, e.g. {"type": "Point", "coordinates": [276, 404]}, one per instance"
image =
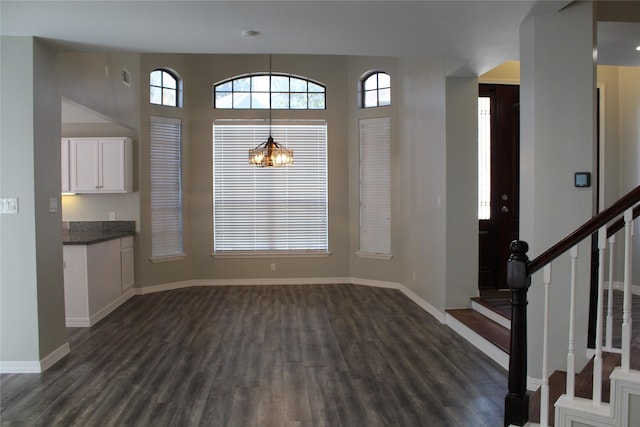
{"type": "Point", "coordinates": [609, 343]}
{"type": "Point", "coordinates": [626, 306]}
{"type": "Point", "coordinates": [571, 353]}
{"type": "Point", "coordinates": [544, 390]}
{"type": "Point", "coordinates": [597, 360]}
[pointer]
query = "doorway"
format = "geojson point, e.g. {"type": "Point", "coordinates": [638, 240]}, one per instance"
{"type": "Point", "coordinates": [498, 181]}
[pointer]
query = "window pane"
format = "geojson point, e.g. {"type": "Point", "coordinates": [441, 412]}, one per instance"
{"type": "Point", "coordinates": [223, 100]}
{"type": "Point", "coordinates": [371, 82]}
{"type": "Point", "coordinates": [315, 88]}
{"type": "Point", "coordinates": [168, 80]}
{"type": "Point", "coordinates": [169, 97]}
{"type": "Point", "coordinates": [155, 95]}
{"type": "Point", "coordinates": [484, 157]}
{"type": "Point", "coordinates": [298, 101]}
{"type": "Point", "coordinates": [224, 87]}
{"type": "Point", "coordinates": [280, 101]}
{"type": "Point", "coordinates": [242, 85]}
{"type": "Point", "coordinates": [384, 97]}
{"type": "Point", "coordinates": [371, 98]}
{"type": "Point", "coordinates": [241, 100]}
{"type": "Point", "coordinates": [260, 100]}
{"type": "Point", "coordinates": [155, 78]}
{"type": "Point", "coordinates": [384, 80]}
{"type": "Point", "coordinates": [260, 83]}
{"type": "Point", "coordinates": [279, 84]}
{"type": "Point", "coordinates": [298, 85]}
{"type": "Point", "coordinates": [316, 101]}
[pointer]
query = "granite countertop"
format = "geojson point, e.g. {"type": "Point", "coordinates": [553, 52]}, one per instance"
{"type": "Point", "coordinates": [88, 232]}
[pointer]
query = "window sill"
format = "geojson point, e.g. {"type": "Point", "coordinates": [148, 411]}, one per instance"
{"type": "Point", "coordinates": [271, 254]}
{"type": "Point", "coordinates": [158, 260]}
{"type": "Point", "coordinates": [368, 255]}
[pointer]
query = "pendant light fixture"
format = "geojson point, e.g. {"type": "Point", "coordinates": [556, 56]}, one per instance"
{"type": "Point", "coordinates": [270, 153]}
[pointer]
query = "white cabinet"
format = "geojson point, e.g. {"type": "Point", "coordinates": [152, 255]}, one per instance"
{"type": "Point", "coordinates": [64, 165]}
{"type": "Point", "coordinates": [101, 165]}
{"type": "Point", "coordinates": [126, 263]}
{"type": "Point", "coordinates": [94, 277]}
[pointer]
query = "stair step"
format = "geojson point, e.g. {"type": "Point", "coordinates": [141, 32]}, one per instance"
{"type": "Point", "coordinates": [486, 328]}
{"type": "Point", "coordinates": [489, 310]}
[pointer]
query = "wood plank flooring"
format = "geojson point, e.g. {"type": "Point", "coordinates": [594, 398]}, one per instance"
{"type": "Point", "coordinates": [321, 355]}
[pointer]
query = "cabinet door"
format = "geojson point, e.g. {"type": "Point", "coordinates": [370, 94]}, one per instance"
{"type": "Point", "coordinates": [64, 166]}
{"type": "Point", "coordinates": [112, 165]}
{"type": "Point", "coordinates": [126, 264]}
{"type": "Point", "coordinates": [84, 165]}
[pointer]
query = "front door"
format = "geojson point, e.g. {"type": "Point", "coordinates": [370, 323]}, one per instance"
{"type": "Point", "coordinates": [499, 160]}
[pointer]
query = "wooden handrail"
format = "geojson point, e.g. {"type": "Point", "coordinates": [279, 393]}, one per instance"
{"type": "Point", "coordinates": [584, 231]}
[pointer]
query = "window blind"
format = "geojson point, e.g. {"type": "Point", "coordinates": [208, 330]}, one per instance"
{"type": "Point", "coordinates": [270, 209]}
{"type": "Point", "coordinates": [166, 188]}
{"type": "Point", "coordinates": [375, 186]}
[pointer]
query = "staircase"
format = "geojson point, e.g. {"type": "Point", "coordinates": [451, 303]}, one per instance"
{"type": "Point", "coordinates": [486, 324]}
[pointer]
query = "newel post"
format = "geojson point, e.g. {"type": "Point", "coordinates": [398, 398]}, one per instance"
{"type": "Point", "coordinates": [516, 406]}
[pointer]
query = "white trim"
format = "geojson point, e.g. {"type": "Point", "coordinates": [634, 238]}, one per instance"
{"type": "Point", "coordinates": [82, 322]}
{"type": "Point", "coordinates": [500, 320]}
{"type": "Point", "coordinates": [28, 367]}
{"type": "Point", "coordinates": [271, 254]}
{"type": "Point", "coordinates": [496, 354]}
{"type": "Point", "coordinates": [533, 384]}
{"type": "Point", "coordinates": [158, 260]}
{"type": "Point", "coordinates": [370, 255]}
{"type": "Point", "coordinates": [619, 286]}
{"type": "Point", "coordinates": [601, 149]}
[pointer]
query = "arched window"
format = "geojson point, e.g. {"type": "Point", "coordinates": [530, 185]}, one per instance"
{"type": "Point", "coordinates": [269, 91]}
{"type": "Point", "coordinates": [164, 88]}
{"type": "Point", "coordinates": [376, 89]}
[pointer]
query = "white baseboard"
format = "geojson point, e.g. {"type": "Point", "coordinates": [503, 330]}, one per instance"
{"type": "Point", "coordinates": [34, 367]}
{"type": "Point", "coordinates": [619, 286]}
{"type": "Point", "coordinates": [83, 322]}
{"type": "Point", "coordinates": [297, 281]}
{"type": "Point", "coordinates": [490, 314]}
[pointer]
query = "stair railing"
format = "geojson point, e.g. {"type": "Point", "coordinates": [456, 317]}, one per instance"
{"type": "Point", "coordinates": [519, 272]}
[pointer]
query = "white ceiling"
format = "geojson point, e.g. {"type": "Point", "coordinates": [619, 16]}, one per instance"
{"type": "Point", "coordinates": [474, 36]}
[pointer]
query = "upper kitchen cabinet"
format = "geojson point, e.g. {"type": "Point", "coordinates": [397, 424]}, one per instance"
{"type": "Point", "coordinates": [64, 165]}
{"type": "Point", "coordinates": [101, 165]}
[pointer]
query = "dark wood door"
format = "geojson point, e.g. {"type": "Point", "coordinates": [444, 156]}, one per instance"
{"type": "Point", "coordinates": [498, 213]}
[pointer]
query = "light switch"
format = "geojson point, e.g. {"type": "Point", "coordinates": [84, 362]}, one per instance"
{"type": "Point", "coordinates": [8, 205]}
{"type": "Point", "coordinates": [53, 204]}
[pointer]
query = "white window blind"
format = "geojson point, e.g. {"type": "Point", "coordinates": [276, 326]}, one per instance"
{"type": "Point", "coordinates": [166, 188]}
{"type": "Point", "coordinates": [270, 209]}
{"type": "Point", "coordinates": [375, 186]}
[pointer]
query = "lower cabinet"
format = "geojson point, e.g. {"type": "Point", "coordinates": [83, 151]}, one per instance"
{"type": "Point", "coordinates": [94, 279]}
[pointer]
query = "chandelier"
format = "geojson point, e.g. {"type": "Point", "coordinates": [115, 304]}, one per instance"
{"type": "Point", "coordinates": [270, 153]}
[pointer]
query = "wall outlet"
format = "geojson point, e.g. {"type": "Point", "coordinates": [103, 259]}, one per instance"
{"type": "Point", "coordinates": [53, 204]}
{"type": "Point", "coordinates": [112, 216]}
{"type": "Point", "coordinates": [8, 205]}
{"type": "Point", "coordinates": [273, 267]}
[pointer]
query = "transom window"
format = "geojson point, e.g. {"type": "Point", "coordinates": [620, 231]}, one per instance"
{"type": "Point", "coordinates": [163, 88]}
{"type": "Point", "coordinates": [376, 90]}
{"type": "Point", "coordinates": [269, 91]}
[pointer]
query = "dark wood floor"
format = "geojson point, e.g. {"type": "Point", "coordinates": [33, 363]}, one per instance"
{"type": "Point", "coordinates": [321, 355]}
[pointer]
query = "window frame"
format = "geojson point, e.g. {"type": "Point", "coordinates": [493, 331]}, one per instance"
{"type": "Point", "coordinates": [177, 89]}
{"type": "Point", "coordinates": [255, 80]}
{"type": "Point", "coordinates": [307, 161]}
{"type": "Point", "coordinates": [167, 160]}
{"type": "Point", "coordinates": [375, 188]}
{"type": "Point", "coordinates": [364, 91]}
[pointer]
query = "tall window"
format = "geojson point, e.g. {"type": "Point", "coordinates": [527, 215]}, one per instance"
{"type": "Point", "coordinates": [166, 188]}
{"type": "Point", "coordinates": [375, 187]}
{"type": "Point", "coordinates": [264, 91]}
{"type": "Point", "coordinates": [376, 90]}
{"type": "Point", "coordinates": [484, 157]}
{"type": "Point", "coordinates": [270, 210]}
{"type": "Point", "coordinates": [163, 88]}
